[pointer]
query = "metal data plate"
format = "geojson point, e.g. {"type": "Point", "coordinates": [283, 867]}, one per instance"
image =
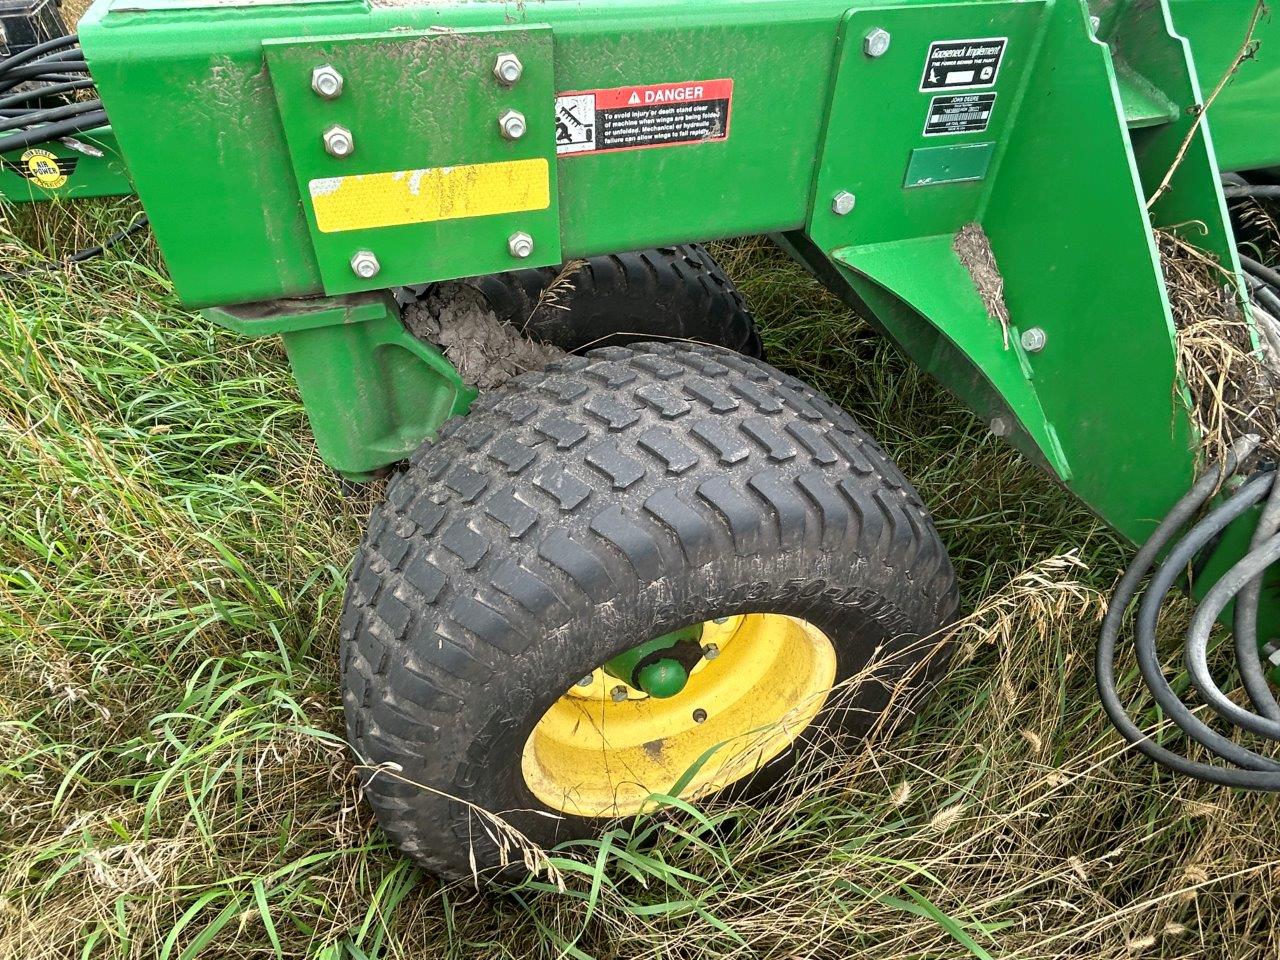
{"type": "Point", "coordinates": [432, 188]}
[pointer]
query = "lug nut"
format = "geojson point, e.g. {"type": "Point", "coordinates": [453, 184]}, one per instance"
{"type": "Point", "coordinates": [521, 245]}
{"type": "Point", "coordinates": [338, 142]}
{"type": "Point", "coordinates": [365, 265]}
{"type": "Point", "coordinates": [618, 693]}
{"type": "Point", "coordinates": [1033, 339]}
{"type": "Point", "coordinates": [842, 203]}
{"type": "Point", "coordinates": [876, 43]}
{"type": "Point", "coordinates": [326, 82]}
{"type": "Point", "coordinates": [512, 125]}
{"type": "Point", "coordinates": [711, 651]}
{"type": "Point", "coordinates": [508, 68]}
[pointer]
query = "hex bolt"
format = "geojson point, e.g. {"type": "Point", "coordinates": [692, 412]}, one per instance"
{"type": "Point", "coordinates": [512, 124]}
{"type": "Point", "coordinates": [521, 245]}
{"type": "Point", "coordinates": [1033, 339]}
{"type": "Point", "coordinates": [365, 265]}
{"type": "Point", "coordinates": [876, 43]}
{"type": "Point", "coordinates": [1000, 427]}
{"type": "Point", "coordinates": [338, 142]}
{"type": "Point", "coordinates": [508, 68]}
{"type": "Point", "coordinates": [842, 203]}
{"type": "Point", "coordinates": [586, 681]}
{"type": "Point", "coordinates": [699, 716]}
{"type": "Point", "coordinates": [326, 81]}
{"type": "Point", "coordinates": [711, 651]}
{"type": "Point", "coordinates": [618, 693]}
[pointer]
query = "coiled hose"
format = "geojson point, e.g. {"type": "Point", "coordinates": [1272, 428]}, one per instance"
{"type": "Point", "coordinates": [1242, 583]}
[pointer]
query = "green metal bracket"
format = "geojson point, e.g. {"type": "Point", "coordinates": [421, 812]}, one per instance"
{"type": "Point", "coordinates": [432, 186]}
{"type": "Point", "coordinates": [51, 171]}
{"type": "Point", "coordinates": [645, 668]}
{"type": "Point", "coordinates": [372, 391]}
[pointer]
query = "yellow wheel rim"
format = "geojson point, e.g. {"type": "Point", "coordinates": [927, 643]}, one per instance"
{"type": "Point", "coordinates": [596, 754]}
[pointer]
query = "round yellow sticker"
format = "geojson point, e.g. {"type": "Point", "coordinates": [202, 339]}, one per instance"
{"type": "Point", "coordinates": [41, 168]}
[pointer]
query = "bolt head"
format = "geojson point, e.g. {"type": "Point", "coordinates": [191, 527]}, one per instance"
{"type": "Point", "coordinates": [1000, 427]}
{"type": "Point", "coordinates": [842, 203]}
{"type": "Point", "coordinates": [1033, 339]}
{"type": "Point", "coordinates": [618, 693]}
{"type": "Point", "coordinates": [338, 141]}
{"type": "Point", "coordinates": [365, 265]}
{"type": "Point", "coordinates": [586, 681]}
{"type": "Point", "coordinates": [711, 651]}
{"type": "Point", "coordinates": [512, 124]}
{"type": "Point", "coordinates": [520, 245]}
{"type": "Point", "coordinates": [876, 43]}
{"type": "Point", "coordinates": [326, 82]}
{"type": "Point", "coordinates": [508, 68]}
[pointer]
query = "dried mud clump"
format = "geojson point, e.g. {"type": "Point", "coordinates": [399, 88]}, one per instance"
{"type": "Point", "coordinates": [486, 351]}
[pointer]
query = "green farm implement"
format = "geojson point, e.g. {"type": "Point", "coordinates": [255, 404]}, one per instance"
{"type": "Point", "coordinates": [620, 558]}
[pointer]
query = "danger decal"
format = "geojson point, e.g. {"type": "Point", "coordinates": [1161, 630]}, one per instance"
{"type": "Point", "coordinates": [632, 118]}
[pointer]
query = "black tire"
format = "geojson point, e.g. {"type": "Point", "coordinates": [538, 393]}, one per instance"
{"type": "Point", "coordinates": [588, 507]}
{"type": "Point", "coordinates": [669, 292]}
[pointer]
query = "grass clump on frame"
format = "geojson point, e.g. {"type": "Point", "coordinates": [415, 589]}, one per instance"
{"type": "Point", "coordinates": [173, 780]}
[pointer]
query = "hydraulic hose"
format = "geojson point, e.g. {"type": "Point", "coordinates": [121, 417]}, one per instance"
{"type": "Point", "coordinates": [1247, 769]}
{"type": "Point", "coordinates": [52, 131]}
{"type": "Point", "coordinates": [1233, 190]}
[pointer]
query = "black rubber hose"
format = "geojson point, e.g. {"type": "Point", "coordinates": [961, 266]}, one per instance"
{"type": "Point", "coordinates": [87, 253]}
{"type": "Point", "coordinates": [49, 90]}
{"type": "Point", "coordinates": [1268, 275]}
{"type": "Point", "coordinates": [1269, 301]}
{"type": "Point", "coordinates": [1168, 574]}
{"type": "Point", "coordinates": [38, 51]}
{"type": "Point", "coordinates": [50, 115]}
{"type": "Point", "coordinates": [1245, 626]}
{"type": "Point", "coordinates": [33, 70]}
{"type": "Point", "coordinates": [52, 131]}
{"type": "Point", "coordinates": [1256, 191]}
{"type": "Point", "coordinates": [1181, 514]}
{"type": "Point", "coordinates": [1244, 572]}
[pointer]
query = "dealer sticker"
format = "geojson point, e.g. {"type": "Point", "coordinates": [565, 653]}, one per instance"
{"type": "Point", "coordinates": [632, 118]}
{"type": "Point", "coordinates": [966, 113]}
{"type": "Point", "coordinates": [963, 64]}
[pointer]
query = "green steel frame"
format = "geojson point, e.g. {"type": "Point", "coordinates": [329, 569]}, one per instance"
{"type": "Point", "coordinates": [222, 133]}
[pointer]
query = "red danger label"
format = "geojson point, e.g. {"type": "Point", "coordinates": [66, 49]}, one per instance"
{"type": "Point", "coordinates": [631, 118]}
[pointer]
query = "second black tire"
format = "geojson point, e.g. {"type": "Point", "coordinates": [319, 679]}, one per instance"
{"type": "Point", "coordinates": [678, 293]}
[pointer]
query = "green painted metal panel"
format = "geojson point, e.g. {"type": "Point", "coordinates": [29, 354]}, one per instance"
{"type": "Point", "coordinates": [1244, 124]}
{"type": "Point", "coordinates": [96, 169]}
{"type": "Point", "coordinates": [934, 165]}
{"type": "Point", "coordinates": [373, 392]}
{"type": "Point", "coordinates": [418, 101]}
{"type": "Point", "coordinates": [218, 175]}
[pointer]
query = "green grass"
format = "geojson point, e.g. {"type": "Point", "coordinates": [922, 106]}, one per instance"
{"type": "Point", "coordinates": [173, 780]}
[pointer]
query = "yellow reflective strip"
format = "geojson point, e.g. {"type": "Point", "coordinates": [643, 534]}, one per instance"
{"type": "Point", "coordinates": [437, 193]}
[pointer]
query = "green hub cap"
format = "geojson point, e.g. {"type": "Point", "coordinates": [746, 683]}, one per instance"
{"type": "Point", "coordinates": [645, 668]}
